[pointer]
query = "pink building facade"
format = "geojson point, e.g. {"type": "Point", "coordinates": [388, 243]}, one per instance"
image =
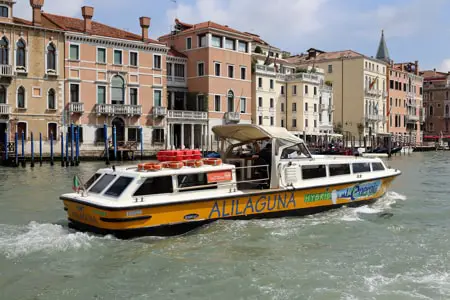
{"type": "Point", "coordinates": [405, 105]}
{"type": "Point", "coordinates": [218, 68]}
{"type": "Point", "coordinates": [113, 77]}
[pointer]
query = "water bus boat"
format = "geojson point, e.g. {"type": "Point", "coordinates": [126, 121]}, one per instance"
{"type": "Point", "coordinates": [263, 172]}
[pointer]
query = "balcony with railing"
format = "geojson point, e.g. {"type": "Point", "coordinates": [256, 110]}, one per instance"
{"type": "Point", "coordinates": [118, 109]}
{"type": "Point", "coordinates": [412, 118]}
{"type": "Point", "coordinates": [76, 107]}
{"type": "Point", "coordinates": [302, 76]}
{"type": "Point", "coordinates": [371, 117]}
{"type": "Point", "coordinates": [187, 115]}
{"type": "Point", "coordinates": [371, 92]}
{"type": "Point", "coordinates": [5, 109]}
{"type": "Point", "coordinates": [6, 71]}
{"type": "Point", "coordinates": [325, 126]}
{"type": "Point", "coordinates": [231, 117]}
{"type": "Point", "coordinates": [326, 88]}
{"type": "Point", "coordinates": [262, 69]}
{"type": "Point", "coordinates": [176, 81]}
{"type": "Point", "coordinates": [159, 111]}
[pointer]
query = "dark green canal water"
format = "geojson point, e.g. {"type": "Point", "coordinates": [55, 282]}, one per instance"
{"type": "Point", "coordinates": [396, 249]}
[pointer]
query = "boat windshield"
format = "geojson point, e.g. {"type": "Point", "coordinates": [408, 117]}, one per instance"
{"type": "Point", "coordinates": [295, 152]}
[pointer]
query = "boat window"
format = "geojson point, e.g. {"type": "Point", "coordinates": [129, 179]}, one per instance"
{"type": "Point", "coordinates": [377, 167]}
{"type": "Point", "coordinates": [361, 167]}
{"type": "Point", "coordinates": [155, 185]}
{"type": "Point", "coordinates": [339, 169]}
{"type": "Point", "coordinates": [91, 180]}
{"type": "Point", "coordinates": [119, 186]}
{"type": "Point", "coordinates": [296, 151]}
{"type": "Point", "coordinates": [102, 183]}
{"type": "Point", "coordinates": [314, 171]}
{"type": "Point", "coordinates": [190, 181]}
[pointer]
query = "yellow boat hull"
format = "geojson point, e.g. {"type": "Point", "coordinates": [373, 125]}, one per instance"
{"type": "Point", "coordinates": [176, 218]}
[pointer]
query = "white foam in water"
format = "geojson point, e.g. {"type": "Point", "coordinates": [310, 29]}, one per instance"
{"type": "Point", "coordinates": [396, 196]}
{"type": "Point", "coordinates": [18, 241]}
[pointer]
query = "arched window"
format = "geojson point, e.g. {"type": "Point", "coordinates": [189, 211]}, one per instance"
{"type": "Point", "coordinates": [431, 110]}
{"type": "Point", "coordinates": [51, 99]}
{"type": "Point", "coordinates": [2, 94]}
{"type": "Point", "coordinates": [21, 54]}
{"type": "Point", "coordinates": [230, 101]}
{"type": "Point", "coordinates": [118, 90]}
{"type": "Point", "coordinates": [4, 48]}
{"type": "Point", "coordinates": [21, 97]}
{"type": "Point", "coordinates": [51, 57]}
{"type": "Point", "coordinates": [4, 11]}
{"type": "Point", "coordinates": [22, 129]}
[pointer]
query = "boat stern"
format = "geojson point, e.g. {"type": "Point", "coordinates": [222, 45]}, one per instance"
{"type": "Point", "coordinates": [83, 213]}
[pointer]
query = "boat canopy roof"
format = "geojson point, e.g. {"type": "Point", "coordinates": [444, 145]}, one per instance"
{"type": "Point", "coordinates": [249, 132]}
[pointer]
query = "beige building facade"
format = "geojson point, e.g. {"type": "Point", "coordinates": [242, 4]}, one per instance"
{"type": "Point", "coordinates": [359, 89]}
{"type": "Point", "coordinates": [31, 76]}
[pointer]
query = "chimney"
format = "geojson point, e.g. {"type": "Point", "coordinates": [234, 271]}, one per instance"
{"type": "Point", "coordinates": [36, 5]}
{"type": "Point", "coordinates": [88, 13]}
{"type": "Point", "coordinates": [417, 67]}
{"type": "Point", "coordinates": [145, 25]}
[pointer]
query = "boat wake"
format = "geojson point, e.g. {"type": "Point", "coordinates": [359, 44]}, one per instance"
{"type": "Point", "coordinates": [284, 226]}
{"type": "Point", "coordinates": [17, 241]}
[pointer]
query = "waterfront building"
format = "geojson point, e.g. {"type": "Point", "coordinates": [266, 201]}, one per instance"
{"type": "Point", "coordinates": [404, 97]}
{"type": "Point", "coordinates": [405, 106]}
{"type": "Point", "coordinates": [359, 89]}
{"type": "Point", "coordinates": [31, 74]}
{"type": "Point", "coordinates": [187, 118]}
{"type": "Point", "coordinates": [309, 102]}
{"type": "Point", "coordinates": [113, 77]}
{"type": "Point", "coordinates": [295, 98]}
{"type": "Point", "coordinates": [218, 66]}
{"type": "Point", "coordinates": [266, 89]}
{"type": "Point", "coordinates": [436, 102]}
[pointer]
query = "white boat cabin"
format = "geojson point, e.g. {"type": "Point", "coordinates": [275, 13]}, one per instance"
{"type": "Point", "coordinates": [287, 164]}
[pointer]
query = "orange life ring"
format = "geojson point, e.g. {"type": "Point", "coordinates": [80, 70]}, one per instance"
{"type": "Point", "coordinates": [173, 164]}
{"type": "Point", "coordinates": [149, 167]}
{"type": "Point", "coordinates": [193, 163]}
{"type": "Point", "coordinates": [213, 161]}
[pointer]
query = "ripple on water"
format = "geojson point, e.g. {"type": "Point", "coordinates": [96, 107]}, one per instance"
{"type": "Point", "coordinates": [16, 241]}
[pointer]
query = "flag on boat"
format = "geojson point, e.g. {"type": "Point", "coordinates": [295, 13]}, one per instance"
{"type": "Point", "coordinates": [76, 183]}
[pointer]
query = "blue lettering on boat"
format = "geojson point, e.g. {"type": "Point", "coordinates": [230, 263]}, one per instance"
{"type": "Point", "coordinates": [251, 205]}
{"type": "Point", "coordinates": [360, 190]}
